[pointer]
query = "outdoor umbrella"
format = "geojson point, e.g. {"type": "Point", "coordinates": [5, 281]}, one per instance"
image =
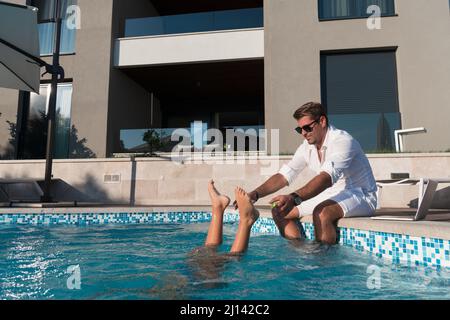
{"type": "Point", "coordinates": [19, 48]}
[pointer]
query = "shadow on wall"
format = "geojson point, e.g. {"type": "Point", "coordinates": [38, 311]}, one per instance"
{"type": "Point", "coordinates": [60, 191]}
{"type": "Point", "coordinates": [67, 143]}
{"type": "Point", "coordinates": [25, 189]}
{"type": "Point", "coordinates": [441, 200]}
{"type": "Point", "coordinates": [88, 191]}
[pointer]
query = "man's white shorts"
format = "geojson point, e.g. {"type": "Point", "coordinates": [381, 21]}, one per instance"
{"type": "Point", "coordinates": [354, 202]}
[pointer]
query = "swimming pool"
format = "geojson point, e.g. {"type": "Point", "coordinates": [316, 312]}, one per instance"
{"type": "Point", "coordinates": [134, 260]}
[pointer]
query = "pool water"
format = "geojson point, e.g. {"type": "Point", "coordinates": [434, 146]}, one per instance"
{"type": "Point", "coordinates": [154, 262]}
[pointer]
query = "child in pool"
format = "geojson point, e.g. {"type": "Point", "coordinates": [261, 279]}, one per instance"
{"type": "Point", "coordinates": [205, 262]}
{"type": "Point", "coordinates": [247, 217]}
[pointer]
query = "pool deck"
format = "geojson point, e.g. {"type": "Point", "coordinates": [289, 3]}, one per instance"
{"type": "Point", "coordinates": [436, 225]}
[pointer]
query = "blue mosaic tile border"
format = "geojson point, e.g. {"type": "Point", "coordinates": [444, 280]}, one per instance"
{"type": "Point", "coordinates": [263, 225]}
{"type": "Point", "coordinates": [404, 249]}
{"type": "Point", "coordinates": [84, 219]}
{"type": "Point", "coordinates": [399, 248]}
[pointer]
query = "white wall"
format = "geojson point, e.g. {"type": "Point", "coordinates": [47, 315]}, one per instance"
{"type": "Point", "coordinates": [189, 48]}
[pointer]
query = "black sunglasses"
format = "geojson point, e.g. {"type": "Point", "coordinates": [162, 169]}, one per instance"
{"type": "Point", "coordinates": [307, 128]}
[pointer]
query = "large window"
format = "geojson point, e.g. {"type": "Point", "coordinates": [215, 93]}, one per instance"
{"type": "Point", "coordinates": [47, 26]}
{"type": "Point", "coordinates": [360, 93]}
{"type": "Point", "coordinates": [35, 131]}
{"type": "Point", "coordinates": [347, 9]}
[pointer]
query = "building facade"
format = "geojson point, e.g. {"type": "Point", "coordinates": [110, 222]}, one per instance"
{"type": "Point", "coordinates": [132, 66]}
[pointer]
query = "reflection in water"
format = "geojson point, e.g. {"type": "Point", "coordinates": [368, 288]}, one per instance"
{"type": "Point", "coordinates": [33, 265]}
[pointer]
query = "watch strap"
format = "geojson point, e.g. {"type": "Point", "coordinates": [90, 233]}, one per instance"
{"type": "Point", "coordinates": [296, 197]}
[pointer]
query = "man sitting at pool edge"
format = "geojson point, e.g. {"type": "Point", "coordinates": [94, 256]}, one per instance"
{"type": "Point", "coordinates": [343, 187]}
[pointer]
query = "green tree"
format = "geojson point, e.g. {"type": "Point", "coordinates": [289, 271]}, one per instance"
{"type": "Point", "coordinates": [153, 140]}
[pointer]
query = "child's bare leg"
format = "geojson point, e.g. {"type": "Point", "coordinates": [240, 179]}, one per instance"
{"type": "Point", "coordinates": [247, 217]}
{"type": "Point", "coordinates": [219, 203]}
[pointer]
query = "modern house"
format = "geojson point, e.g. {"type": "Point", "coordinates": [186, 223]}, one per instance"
{"type": "Point", "coordinates": [131, 66]}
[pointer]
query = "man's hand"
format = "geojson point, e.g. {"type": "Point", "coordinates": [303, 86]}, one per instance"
{"type": "Point", "coordinates": [253, 196]}
{"type": "Point", "coordinates": [284, 203]}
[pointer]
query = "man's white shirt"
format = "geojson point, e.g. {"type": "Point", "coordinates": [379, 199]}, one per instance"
{"type": "Point", "coordinates": [342, 158]}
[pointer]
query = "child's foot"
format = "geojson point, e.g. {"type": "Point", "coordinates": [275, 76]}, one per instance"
{"type": "Point", "coordinates": [247, 211]}
{"type": "Point", "coordinates": [218, 200]}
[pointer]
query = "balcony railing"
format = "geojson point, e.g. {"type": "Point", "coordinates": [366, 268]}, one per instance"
{"type": "Point", "coordinates": [195, 22]}
{"type": "Point", "coordinates": [242, 138]}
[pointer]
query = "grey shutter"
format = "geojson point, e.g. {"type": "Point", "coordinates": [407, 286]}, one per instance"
{"type": "Point", "coordinates": [354, 83]}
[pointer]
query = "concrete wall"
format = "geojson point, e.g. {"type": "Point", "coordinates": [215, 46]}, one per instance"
{"type": "Point", "coordinates": [152, 181]}
{"type": "Point", "coordinates": [190, 48]}
{"type": "Point", "coordinates": [294, 38]}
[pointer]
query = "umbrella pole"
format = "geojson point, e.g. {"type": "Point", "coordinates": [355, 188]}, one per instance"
{"type": "Point", "coordinates": [52, 109]}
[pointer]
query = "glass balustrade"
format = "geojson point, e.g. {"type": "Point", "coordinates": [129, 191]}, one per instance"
{"type": "Point", "coordinates": [195, 22]}
{"type": "Point", "coordinates": [227, 139]}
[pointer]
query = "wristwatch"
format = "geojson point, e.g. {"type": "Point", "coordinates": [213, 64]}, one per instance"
{"type": "Point", "coordinates": [297, 199]}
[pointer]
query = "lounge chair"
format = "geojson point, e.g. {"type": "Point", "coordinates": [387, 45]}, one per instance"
{"type": "Point", "coordinates": [427, 189]}
{"type": "Point", "coordinates": [31, 187]}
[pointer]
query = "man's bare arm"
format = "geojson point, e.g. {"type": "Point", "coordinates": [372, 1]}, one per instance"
{"type": "Point", "coordinates": [273, 184]}
{"type": "Point", "coordinates": [314, 187]}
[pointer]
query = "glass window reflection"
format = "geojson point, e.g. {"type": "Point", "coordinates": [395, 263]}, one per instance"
{"type": "Point", "coordinates": [344, 9]}
{"type": "Point", "coordinates": [35, 136]}
{"type": "Point", "coordinates": [46, 15]}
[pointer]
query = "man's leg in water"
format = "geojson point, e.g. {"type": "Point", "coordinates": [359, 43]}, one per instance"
{"type": "Point", "coordinates": [325, 217]}
{"type": "Point", "coordinates": [247, 217]}
{"type": "Point", "coordinates": [287, 224]}
{"type": "Point", "coordinates": [219, 203]}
